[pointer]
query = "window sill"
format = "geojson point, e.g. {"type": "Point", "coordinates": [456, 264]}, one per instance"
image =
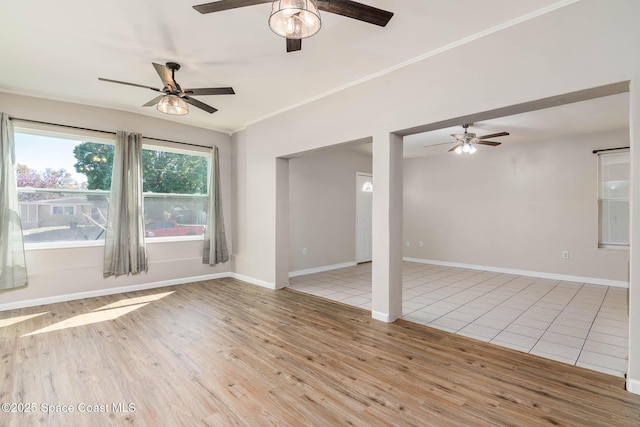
{"type": "Point", "coordinates": [100, 243]}
{"type": "Point", "coordinates": [614, 247]}
{"type": "Point", "coordinates": [152, 240]}
{"type": "Point", "coordinates": [63, 245]}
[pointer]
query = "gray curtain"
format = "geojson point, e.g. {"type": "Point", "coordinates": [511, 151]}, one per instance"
{"type": "Point", "coordinates": [125, 251]}
{"type": "Point", "coordinates": [215, 241]}
{"type": "Point", "coordinates": [13, 267]}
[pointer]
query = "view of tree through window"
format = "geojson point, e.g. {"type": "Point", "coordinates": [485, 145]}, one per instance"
{"type": "Point", "coordinates": [163, 172]}
{"type": "Point", "coordinates": [95, 161]}
{"type": "Point", "coordinates": [64, 196]}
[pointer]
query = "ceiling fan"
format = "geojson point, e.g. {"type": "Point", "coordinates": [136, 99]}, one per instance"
{"type": "Point", "coordinates": [174, 99]}
{"type": "Point", "coordinates": [299, 19]}
{"type": "Point", "coordinates": [466, 142]}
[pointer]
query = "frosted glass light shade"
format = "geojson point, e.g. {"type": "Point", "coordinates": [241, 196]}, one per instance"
{"type": "Point", "coordinates": [466, 148]}
{"type": "Point", "coordinates": [367, 187]}
{"type": "Point", "coordinates": [173, 105]}
{"type": "Point", "coordinates": [294, 19]}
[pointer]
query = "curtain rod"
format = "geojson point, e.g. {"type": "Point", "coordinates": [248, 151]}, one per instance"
{"type": "Point", "coordinates": [103, 131]}
{"type": "Point", "coordinates": [609, 149]}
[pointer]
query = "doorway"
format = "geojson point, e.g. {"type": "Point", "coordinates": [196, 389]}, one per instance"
{"type": "Point", "coordinates": [364, 211]}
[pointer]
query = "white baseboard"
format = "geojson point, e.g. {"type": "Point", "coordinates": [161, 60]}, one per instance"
{"type": "Point", "coordinates": [383, 317]}
{"type": "Point", "coordinates": [321, 269]}
{"type": "Point", "coordinates": [543, 275]}
{"type": "Point", "coordinates": [633, 386]}
{"type": "Point", "coordinates": [122, 289]}
{"type": "Point", "coordinates": [251, 280]}
{"type": "Point", "coordinates": [108, 291]}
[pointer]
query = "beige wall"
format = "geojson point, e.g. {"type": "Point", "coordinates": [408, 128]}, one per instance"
{"type": "Point", "coordinates": [555, 61]}
{"type": "Point", "coordinates": [582, 45]}
{"type": "Point", "coordinates": [322, 207]}
{"type": "Point", "coordinates": [57, 272]}
{"type": "Point", "coordinates": [516, 206]}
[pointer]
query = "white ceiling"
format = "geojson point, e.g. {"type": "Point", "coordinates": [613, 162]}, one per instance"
{"type": "Point", "coordinates": [58, 50]}
{"type": "Point", "coordinates": [600, 114]}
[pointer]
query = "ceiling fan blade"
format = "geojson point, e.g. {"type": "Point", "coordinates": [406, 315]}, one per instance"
{"type": "Point", "coordinates": [492, 143]}
{"type": "Point", "coordinates": [165, 76]}
{"type": "Point", "coordinates": [201, 105]}
{"type": "Point", "coordinates": [494, 135]}
{"type": "Point", "coordinates": [456, 146]}
{"type": "Point", "coordinates": [441, 143]}
{"type": "Point", "coordinates": [218, 6]}
{"type": "Point", "coordinates": [154, 101]}
{"type": "Point", "coordinates": [458, 136]}
{"type": "Point", "coordinates": [211, 91]}
{"type": "Point", "coordinates": [294, 45]}
{"type": "Point", "coordinates": [129, 84]}
{"type": "Point", "coordinates": [355, 10]}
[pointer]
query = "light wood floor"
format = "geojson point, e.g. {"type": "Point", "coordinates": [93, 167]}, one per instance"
{"type": "Point", "coordinates": [222, 352]}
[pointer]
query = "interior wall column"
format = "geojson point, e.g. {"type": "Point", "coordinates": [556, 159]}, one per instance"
{"type": "Point", "coordinates": [386, 304]}
{"type": "Point", "coordinates": [633, 370]}
{"type": "Point", "coordinates": [282, 223]}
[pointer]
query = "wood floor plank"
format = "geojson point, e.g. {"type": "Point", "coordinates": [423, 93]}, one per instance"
{"type": "Point", "coordinates": [223, 352]}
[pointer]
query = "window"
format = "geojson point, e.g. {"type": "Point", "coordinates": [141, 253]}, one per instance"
{"type": "Point", "coordinates": [60, 198]}
{"type": "Point", "coordinates": [63, 195]}
{"type": "Point", "coordinates": [63, 210]}
{"type": "Point", "coordinates": [175, 192]}
{"type": "Point", "coordinates": [613, 199]}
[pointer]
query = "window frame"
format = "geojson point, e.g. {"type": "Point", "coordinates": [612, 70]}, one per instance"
{"type": "Point", "coordinates": [193, 151]}
{"type": "Point", "coordinates": [601, 199]}
{"type": "Point", "coordinates": [83, 135]}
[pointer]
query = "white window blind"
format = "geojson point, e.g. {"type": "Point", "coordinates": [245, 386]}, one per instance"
{"type": "Point", "coordinates": [613, 198]}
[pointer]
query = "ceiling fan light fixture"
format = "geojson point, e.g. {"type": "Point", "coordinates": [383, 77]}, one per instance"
{"type": "Point", "coordinates": [295, 19]}
{"type": "Point", "coordinates": [172, 105]}
{"type": "Point", "coordinates": [465, 148]}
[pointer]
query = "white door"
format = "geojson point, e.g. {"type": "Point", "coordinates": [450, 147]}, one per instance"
{"type": "Point", "coordinates": [364, 210]}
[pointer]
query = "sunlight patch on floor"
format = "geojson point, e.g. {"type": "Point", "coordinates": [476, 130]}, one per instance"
{"type": "Point", "coordinates": [136, 300]}
{"type": "Point", "coordinates": [102, 314]}
{"type": "Point", "coordinates": [18, 319]}
{"type": "Point", "coordinates": [89, 318]}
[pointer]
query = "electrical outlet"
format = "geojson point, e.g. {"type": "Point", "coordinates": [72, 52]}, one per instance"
{"type": "Point", "coordinates": [304, 251]}
{"type": "Point", "coordinates": [421, 243]}
{"type": "Point", "coordinates": [407, 244]}
{"type": "Point", "coordinates": [565, 254]}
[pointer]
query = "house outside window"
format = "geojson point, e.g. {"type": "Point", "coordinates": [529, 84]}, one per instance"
{"type": "Point", "coordinates": [57, 204]}
{"type": "Point", "coordinates": [613, 199]}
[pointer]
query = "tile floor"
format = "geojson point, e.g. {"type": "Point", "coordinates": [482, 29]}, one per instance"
{"type": "Point", "coordinates": [580, 324]}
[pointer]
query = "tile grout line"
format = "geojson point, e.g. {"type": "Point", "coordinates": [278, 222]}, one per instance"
{"type": "Point", "coordinates": [501, 302]}
{"type": "Point", "coordinates": [565, 307]}
{"type": "Point", "coordinates": [591, 327]}
{"type": "Point", "coordinates": [524, 311]}
{"type": "Point", "coordinates": [462, 290]}
{"type": "Point", "coordinates": [497, 305]}
{"type": "Point", "coordinates": [455, 293]}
